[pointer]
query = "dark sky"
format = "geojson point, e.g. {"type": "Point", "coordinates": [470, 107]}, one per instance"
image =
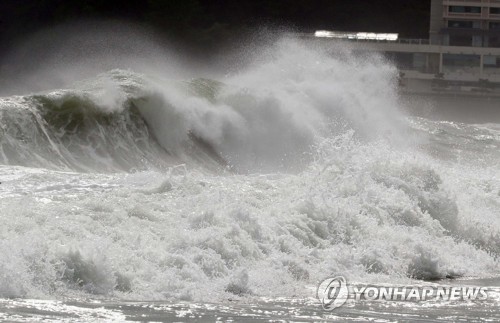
{"type": "Point", "coordinates": [214, 19]}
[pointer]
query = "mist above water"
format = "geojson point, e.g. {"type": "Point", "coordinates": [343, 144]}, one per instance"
{"type": "Point", "coordinates": [58, 57]}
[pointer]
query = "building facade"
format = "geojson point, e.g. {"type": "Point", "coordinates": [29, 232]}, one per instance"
{"type": "Point", "coordinates": [473, 23]}
{"type": "Point", "coordinates": [461, 56]}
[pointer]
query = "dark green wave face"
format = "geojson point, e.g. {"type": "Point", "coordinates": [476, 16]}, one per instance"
{"type": "Point", "coordinates": [74, 130]}
{"type": "Point", "coordinates": [71, 133]}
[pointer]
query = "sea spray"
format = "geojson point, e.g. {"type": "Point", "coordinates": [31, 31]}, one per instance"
{"type": "Point", "coordinates": [264, 118]}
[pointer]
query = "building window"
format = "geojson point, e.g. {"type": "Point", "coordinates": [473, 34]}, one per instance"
{"type": "Point", "coordinates": [453, 63]}
{"type": "Point", "coordinates": [464, 9]}
{"type": "Point", "coordinates": [494, 41]}
{"type": "Point", "coordinates": [477, 41]}
{"type": "Point", "coordinates": [460, 40]}
{"type": "Point", "coordinates": [495, 25]}
{"type": "Point", "coordinates": [495, 11]}
{"type": "Point", "coordinates": [491, 61]}
{"type": "Point", "coordinates": [463, 24]}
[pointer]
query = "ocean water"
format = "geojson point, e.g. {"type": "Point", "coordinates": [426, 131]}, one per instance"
{"type": "Point", "coordinates": [135, 194]}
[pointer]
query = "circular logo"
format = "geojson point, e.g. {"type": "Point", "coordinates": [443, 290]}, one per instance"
{"type": "Point", "coordinates": [332, 293]}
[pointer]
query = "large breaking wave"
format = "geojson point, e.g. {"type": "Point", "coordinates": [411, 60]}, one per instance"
{"type": "Point", "coordinates": [258, 183]}
{"type": "Point", "coordinates": [264, 118]}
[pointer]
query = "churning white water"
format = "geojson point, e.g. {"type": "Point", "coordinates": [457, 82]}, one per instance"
{"type": "Point", "coordinates": [262, 182]}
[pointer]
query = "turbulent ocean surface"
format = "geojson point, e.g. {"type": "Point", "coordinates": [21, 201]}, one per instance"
{"type": "Point", "coordinates": [242, 191]}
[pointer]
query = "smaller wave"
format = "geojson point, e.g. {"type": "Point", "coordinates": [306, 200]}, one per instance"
{"type": "Point", "coordinates": [475, 144]}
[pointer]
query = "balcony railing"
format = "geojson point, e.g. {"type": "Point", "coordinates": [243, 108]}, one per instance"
{"type": "Point", "coordinates": [469, 15]}
{"type": "Point", "coordinates": [476, 2]}
{"type": "Point", "coordinates": [409, 41]}
{"type": "Point", "coordinates": [484, 14]}
{"type": "Point", "coordinates": [472, 16]}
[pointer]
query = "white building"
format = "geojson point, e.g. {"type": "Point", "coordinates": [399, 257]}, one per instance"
{"type": "Point", "coordinates": [465, 23]}
{"type": "Point", "coordinates": [462, 54]}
